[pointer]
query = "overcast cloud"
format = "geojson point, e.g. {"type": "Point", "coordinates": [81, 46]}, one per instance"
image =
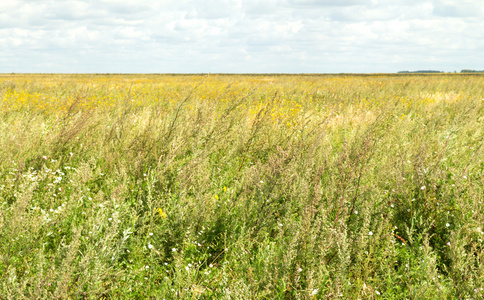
{"type": "Point", "coordinates": [240, 36]}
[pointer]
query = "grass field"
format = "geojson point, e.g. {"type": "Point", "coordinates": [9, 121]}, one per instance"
{"type": "Point", "coordinates": [241, 187]}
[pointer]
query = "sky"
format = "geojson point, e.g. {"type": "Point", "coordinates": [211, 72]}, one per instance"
{"type": "Point", "coordinates": [240, 36]}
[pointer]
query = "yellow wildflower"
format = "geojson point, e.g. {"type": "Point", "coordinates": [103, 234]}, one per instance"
{"type": "Point", "coordinates": [162, 213]}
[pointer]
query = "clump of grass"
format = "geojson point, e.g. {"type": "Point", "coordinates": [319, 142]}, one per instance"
{"type": "Point", "coordinates": [241, 186]}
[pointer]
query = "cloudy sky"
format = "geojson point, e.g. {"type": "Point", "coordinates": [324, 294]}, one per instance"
{"type": "Point", "coordinates": [240, 36]}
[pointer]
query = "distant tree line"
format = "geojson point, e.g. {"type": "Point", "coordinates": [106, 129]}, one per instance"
{"type": "Point", "coordinates": [434, 71]}
{"type": "Point", "coordinates": [471, 71]}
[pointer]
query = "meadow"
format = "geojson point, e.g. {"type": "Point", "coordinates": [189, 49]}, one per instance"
{"type": "Point", "coordinates": [241, 187]}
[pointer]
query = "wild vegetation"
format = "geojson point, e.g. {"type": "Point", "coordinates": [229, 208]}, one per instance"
{"type": "Point", "coordinates": [241, 187]}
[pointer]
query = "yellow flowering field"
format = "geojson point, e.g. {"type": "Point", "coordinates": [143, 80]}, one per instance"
{"type": "Point", "coordinates": [217, 186]}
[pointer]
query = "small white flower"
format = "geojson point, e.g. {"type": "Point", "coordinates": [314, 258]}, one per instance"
{"type": "Point", "coordinates": [314, 292]}
{"type": "Point", "coordinates": [173, 249]}
{"type": "Point", "coordinates": [147, 267]}
{"type": "Point", "coordinates": [356, 212]}
{"type": "Point", "coordinates": [151, 233]}
{"type": "Point", "coordinates": [150, 246]}
{"type": "Point", "coordinates": [261, 181]}
{"type": "Point", "coordinates": [423, 187]}
{"type": "Point", "coordinates": [189, 265]}
{"type": "Point", "coordinates": [210, 265]}
{"type": "Point", "coordinates": [447, 225]}
{"type": "Point", "coordinates": [370, 233]}
{"type": "Point", "coordinates": [377, 292]}
{"type": "Point", "coordinates": [299, 270]}
{"type": "Point", "coordinates": [187, 268]}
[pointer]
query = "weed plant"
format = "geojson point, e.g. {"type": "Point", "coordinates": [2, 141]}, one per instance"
{"type": "Point", "coordinates": [241, 187]}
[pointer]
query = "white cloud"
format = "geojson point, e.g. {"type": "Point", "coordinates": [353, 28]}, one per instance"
{"type": "Point", "coordinates": [458, 9]}
{"type": "Point", "coordinates": [240, 35]}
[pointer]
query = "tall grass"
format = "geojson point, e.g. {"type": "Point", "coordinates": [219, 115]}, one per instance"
{"type": "Point", "coordinates": [241, 187]}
